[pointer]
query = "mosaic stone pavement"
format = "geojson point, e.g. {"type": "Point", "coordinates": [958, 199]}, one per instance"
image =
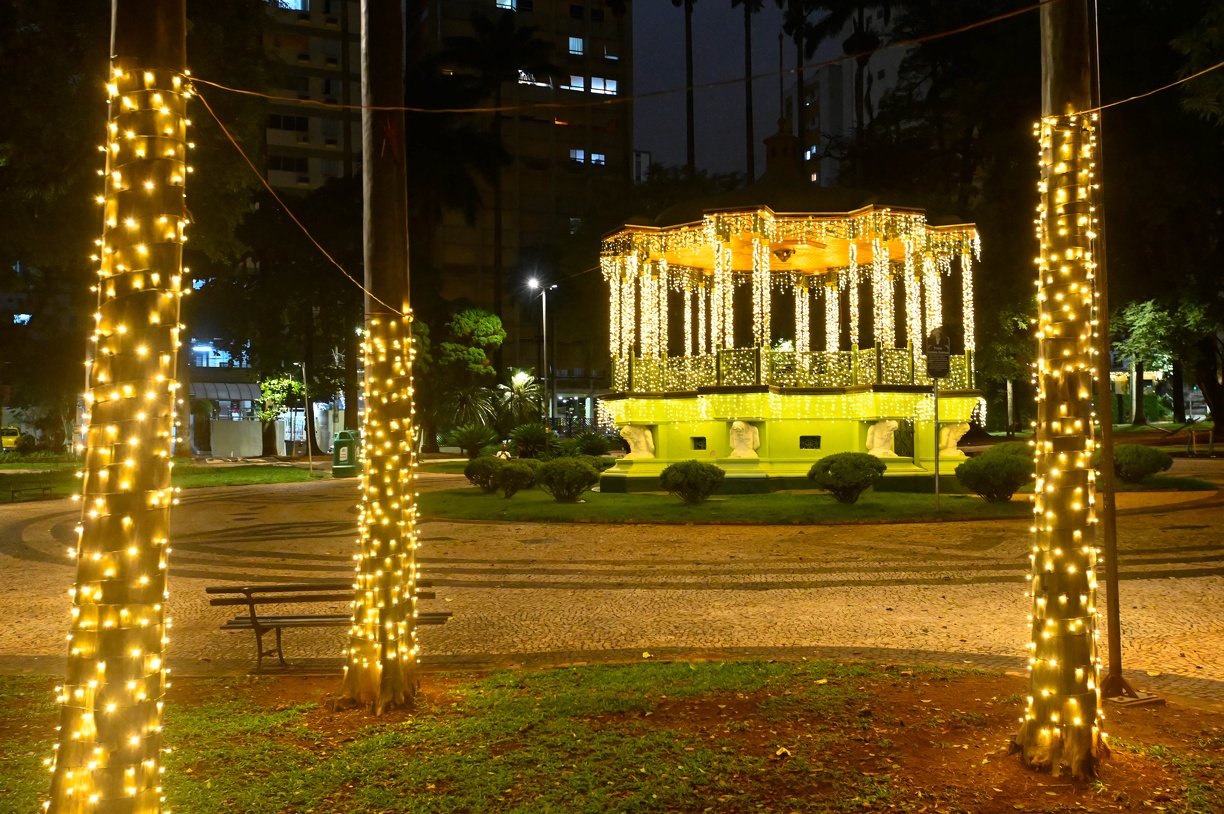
{"type": "Point", "coordinates": [538, 594]}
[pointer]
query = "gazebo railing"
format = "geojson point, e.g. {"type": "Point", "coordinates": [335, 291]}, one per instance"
{"type": "Point", "coordinates": [746, 367]}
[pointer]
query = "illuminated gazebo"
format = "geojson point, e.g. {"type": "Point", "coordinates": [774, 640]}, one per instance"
{"type": "Point", "coordinates": [763, 340]}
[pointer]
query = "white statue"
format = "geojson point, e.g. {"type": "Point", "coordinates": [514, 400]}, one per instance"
{"type": "Point", "coordinates": [880, 439]}
{"type": "Point", "coordinates": [745, 438]}
{"type": "Point", "coordinates": [641, 441]}
{"type": "Point", "coordinates": [949, 436]}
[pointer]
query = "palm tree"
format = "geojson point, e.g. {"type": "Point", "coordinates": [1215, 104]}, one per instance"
{"type": "Point", "coordinates": [500, 51]}
{"type": "Point", "coordinates": [688, 81]}
{"type": "Point", "coordinates": [519, 401]}
{"type": "Point", "coordinates": [861, 42]}
{"type": "Point", "coordinates": [750, 7]}
{"type": "Point", "coordinates": [795, 25]}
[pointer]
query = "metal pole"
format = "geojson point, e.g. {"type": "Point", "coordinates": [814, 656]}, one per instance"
{"type": "Point", "coordinates": [936, 388]}
{"type": "Point", "coordinates": [544, 341]}
{"type": "Point", "coordinates": [306, 418]}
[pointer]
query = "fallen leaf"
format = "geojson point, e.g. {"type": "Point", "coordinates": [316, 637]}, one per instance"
{"type": "Point", "coordinates": [646, 655]}
{"type": "Point", "coordinates": [782, 750]}
{"type": "Point", "coordinates": [822, 681]}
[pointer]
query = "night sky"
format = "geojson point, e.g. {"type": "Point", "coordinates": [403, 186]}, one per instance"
{"type": "Point", "coordinates": [718, 54]}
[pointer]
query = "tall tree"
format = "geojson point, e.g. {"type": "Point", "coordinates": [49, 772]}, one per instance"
{"type": "Point", "coordinates": [1060, 729]}
{"type": "Point", "coordinates": [500, 51]}
{"type": "Point", "coordinates": [690, 142]}
{"type": "Point", "coordinates": [795, 25]}
{"type": "Point", "coordinates": [380, 670]}
{"type": "Point", "coordinates": [109, 752]}
{"type": "Point", "coordinates": [750, 7]}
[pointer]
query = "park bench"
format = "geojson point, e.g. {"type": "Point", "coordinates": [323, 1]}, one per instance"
{"type": "Point", "coordinates": [33, 488]}
{"type": "Point", "coordinates": [259, 597]}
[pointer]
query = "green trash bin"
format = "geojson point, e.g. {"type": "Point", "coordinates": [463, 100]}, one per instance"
{"type": "Point", "coordinates": [345, 447]}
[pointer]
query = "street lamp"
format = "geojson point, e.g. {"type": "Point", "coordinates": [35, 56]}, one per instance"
{"type": "Point", "coordinates": [533, 284]}
{"type": "Point", "coordinates": [306, 416]}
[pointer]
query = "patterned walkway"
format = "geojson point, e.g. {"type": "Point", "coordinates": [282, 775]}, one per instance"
{"type": "Point", "coordinates": [540, 594]}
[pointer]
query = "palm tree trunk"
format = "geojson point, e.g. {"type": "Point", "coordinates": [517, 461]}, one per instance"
{"type": "Point", "coordinates": [800, 103]}
{"type": "Point", "coordinates": [1138, 413]}
{"type": "Point", "coordinates": [499, 282]}
{"type": "Point", "coordinates": [690, 118]}
{"type": "Point", "coordinates": [110, 737]}
{"type": "Point", "coordinates": [380, 670]}
{"type": "Point", "coordinates": [751, 139]}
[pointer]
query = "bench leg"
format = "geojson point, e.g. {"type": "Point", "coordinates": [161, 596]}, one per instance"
{"type": "Point", "coordinates": [280, 654]}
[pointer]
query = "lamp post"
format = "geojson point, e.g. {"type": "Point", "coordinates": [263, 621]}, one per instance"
{"type": "Point", "coordinates": [306, 416]}
{"type": "Point", "coordinates": [533, 284]}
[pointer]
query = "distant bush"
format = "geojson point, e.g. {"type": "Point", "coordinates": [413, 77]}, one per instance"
{"type": "Point", "coordinates": [995, 475]}
{"type": "Point", "coordinates": [1019, 449]}
{"type": "Point", "coordinates": [533, 441]}
{"type": "Point", "coordinates": [846, 475]}
{"type": "Point", "coordinates": [592, 443]}
{"type": "Point", "coordinates": [599, 464]}
{"type": "Point", "coordinates": [483, 472]}
{"type": "Point", "coordinates": [566, 478]}
{"type": "Point", "coordinates": [471, 438]}
{"type": "Point", "coordinates": [692, 481]}
{"type": "Point", "coordinates": [1135, 463]}
{"type": "Point", "coordinates": [515, 475]}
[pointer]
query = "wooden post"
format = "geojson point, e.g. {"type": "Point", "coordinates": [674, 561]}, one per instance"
{"type": "Point", "coordinates": [381, 661]}
{"type": "Point", "coordinates": [1060, 732]}
{"type": "Point", "coordinates": [108, 759]}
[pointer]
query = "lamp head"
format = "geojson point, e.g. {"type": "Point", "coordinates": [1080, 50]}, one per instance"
{"type": "Point", "coordinates": [533, 283]}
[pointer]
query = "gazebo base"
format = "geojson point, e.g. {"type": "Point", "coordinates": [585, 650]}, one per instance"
{"type": "Point", "coordinates": [767, 439]}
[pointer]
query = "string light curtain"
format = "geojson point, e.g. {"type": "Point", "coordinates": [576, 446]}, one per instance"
{"type": "Point", "coordinates": [661, 302]}
{"type": "Point", "coordinates": [884, 324]}
{"type": "Point", "coordinates": [832, 298]}
{"type": "Point", "coordinates": [761, 305]}
{"type": "Point", "coordinates": [852, 285]}
{"type": "Point", "coordinates": [913, 302]}
{"type": "Point", "coordinates": [803, 316]}
{"type": "Point", "coordinates": [934, 293]}
{"type": "Point", "coordinates": [1060, 728]}
{"type": "Point", "coordinates": [967, 310]}
{"type": "Point", "coordinates": [610, 268]}
{"type": "Point", "coordinates": [109, 751]}
{"type": "Point", "coordinates": [628, 302]}
{"type": "Point", "coordinates": [703, 317]}
{"type": "Point", "coordinates": [650, 312]}
{"type": "Point", "coordinates": [689, 296]}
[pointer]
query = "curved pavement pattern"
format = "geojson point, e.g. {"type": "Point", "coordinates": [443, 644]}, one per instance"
{"type": "Point", "coordinates": [555, 593]}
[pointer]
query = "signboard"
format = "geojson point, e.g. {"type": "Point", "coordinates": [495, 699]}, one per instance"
{"type": "Point", "coordinates": [938, 350]}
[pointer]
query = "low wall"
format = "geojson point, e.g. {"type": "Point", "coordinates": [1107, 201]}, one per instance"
{"type": "Point", "coordinates": [238, 439]}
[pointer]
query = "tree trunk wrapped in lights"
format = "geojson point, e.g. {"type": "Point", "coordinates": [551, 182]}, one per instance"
{"type": "Point", "coordinates": [381, 661]}
{"type": "Point", "coordinates": [108, 758]}
{"type": "Point", "coordinates": [1059, 731]}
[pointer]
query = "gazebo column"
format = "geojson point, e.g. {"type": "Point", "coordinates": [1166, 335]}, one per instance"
{"type": "Point", "coordinates": [611, 272]}
{"type": "Point", "coordinates": [661, 300]}
{"type": "Point", "coordinates": [852, 304]}
{"type": "Point", "coordinates": [803, 317]}
{"type": "Point", "coordinates": [689, 295]}
{"type": "Point", "coordinates": [913, 301]}
{"type": "Point", "coordinates": [832, 296]}
{"type": "Point", "coordinates": [649, 311]}
{"type": "Point", "coordinates": [761, 305]}
{"type": "Point", "coordinates": [884, 314]}
{"type": "Point", "coordinates": [722, 315]}
{"type": "Point", "coordinates": [934, 293]}
{"type": "Point", "coordinates": [703, 317]}
{"type": "Point", "coordinates": [628, 301]}
{"type": "Point", "coordinates": [967, 316]}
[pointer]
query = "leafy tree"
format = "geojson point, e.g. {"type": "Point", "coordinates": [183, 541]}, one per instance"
{"type": "Point", "coordinates": [519, 399]}
{"type": "Point", "coordinates": [1203, 46]}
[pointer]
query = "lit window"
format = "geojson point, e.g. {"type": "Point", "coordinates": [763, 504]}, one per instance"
{"type": "Point", "coordinates": [527, 79]}
{"type": "Point", "coordinates": [599, 158]}
{"type": "Point", "coordinates": [506, 4]}
{"type": "Point", "coordinates": [575, 83]}
{"type": "Point", "coordinates": [295, 5]}
{"type": "Point", "coordinates": [575, 46]}
{"type": "Point", "coordinates": [604, 86]}
{"type": "Point", "coordinates": [578, 155]}
{"type": "Point", "coordinates": [21, 319]}
{"type": "Point", "coordinates": [609, 52]}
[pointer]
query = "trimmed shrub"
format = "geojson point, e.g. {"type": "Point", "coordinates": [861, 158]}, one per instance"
{"type": "Point", "coordinates": [471, 438]}
{"type": "Point", "coordinates": [483, 472]}
{"type": "Point", "coordinates": [598, 464]}
{"type": "Point", "coordinates": [995, 476]}
{"type": "Point", "coordinates": [1019, 449]}
{"type": "Point", "coordinates": [1135, 463]}
{"type": "Point", "coordinates": [566, 478]}
{"type": "Point", "coordinates": [533, 441]}
{"type": "Point", "coordinates": [515, 475]}
{"type": "Point", "coordinates": [692, 481]}
{"type": "Point", "coordinates": [594, 444]}
{"type": "Point", "coordinates": [846, 475]}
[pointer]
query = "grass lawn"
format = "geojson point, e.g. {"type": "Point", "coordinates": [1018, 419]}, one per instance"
{"type": "Point", "coordinates": [63, 480]}
{"type": "Point", "coordinates": [702, 737]}
{"type": "Point", "coordinates": [470, 503]}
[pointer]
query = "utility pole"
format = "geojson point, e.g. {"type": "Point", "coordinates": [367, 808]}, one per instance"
{"type": "Point", "coordinates": [380, 669]}
{"type": "Point", "coordinates": [108, 759]}
{"type": "Point", "coordinates": [1060, 731]}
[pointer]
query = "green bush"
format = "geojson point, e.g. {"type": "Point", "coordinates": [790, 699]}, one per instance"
{"type": "Point", "coordinates": [846, 475]}
{"type": "Point", "coordinates": [533, 441]}
{"type": "Point", "coordinates": [515, 475]}
{"type": "Point", "coordinates": [566, 478]}
{"type": "Point", "coordinates": [692, 481]}
{"type": "Point", "coordinates": [594, 444]}
{"type": "Point", "coordinates": [1135, 463]}
{"type": "Point", "coordinates": [1019, 449]}
{"type": "Point", "coordinates": [598, 464]}
{"type": "Point", "coordinates": [483, 472]}
{"type": "Point", "coordinates": [471, 438]}
{"type": "Point", "coordinates": [996, 476]}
